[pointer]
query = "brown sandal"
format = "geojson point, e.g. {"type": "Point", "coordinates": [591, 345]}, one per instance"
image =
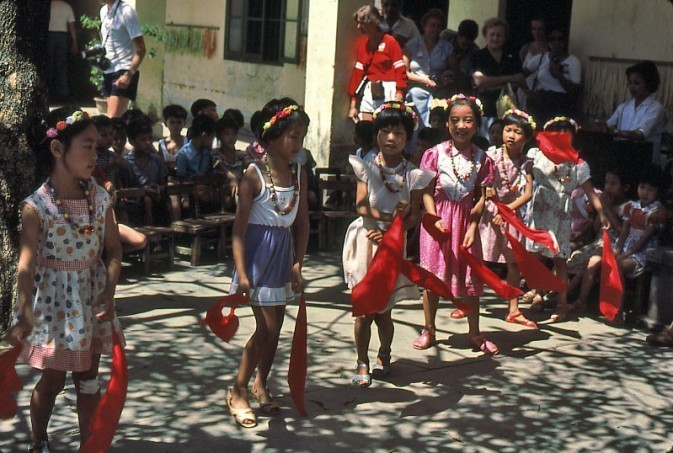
{"type": "Point", "coordinates": [519, 318]}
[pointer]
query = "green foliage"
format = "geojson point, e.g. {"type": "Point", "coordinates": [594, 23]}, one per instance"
{"type": "Point", "coordinates": [93, 23]}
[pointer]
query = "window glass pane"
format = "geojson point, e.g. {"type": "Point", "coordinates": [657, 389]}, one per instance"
{"type": "Point", "coordinates": [290, 49]}
{"type": "Point", "coordinates": [292, 11]}
{"type": "Point", "coordinates": [235, 35]}
{"type": "Point", "coordinates": [304, 18]}
{"type": "Point", "coordinates": [256, 8]}
{"type": "Point", "coordinates": [273, 9]}
{"type": "Point", "coordinates": [236, 7]}
{"type": "Point", "coordinates": [253, 41]}
{"type": "Point", "coordinates": [272, 41]}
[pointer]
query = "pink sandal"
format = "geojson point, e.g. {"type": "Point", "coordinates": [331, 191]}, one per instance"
{"type": "Point", "coordinates": [458, 314]}
{"type": "Point", "coordinates": [425, 341]}
{"type": "Point", "coordinates": [482, 344]}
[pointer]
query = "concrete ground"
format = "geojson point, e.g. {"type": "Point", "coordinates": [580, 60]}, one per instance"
{"type": "Point", "coordinates": [575, 386]}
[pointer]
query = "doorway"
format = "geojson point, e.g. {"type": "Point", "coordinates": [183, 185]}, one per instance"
{"type": "Point", "coordinates": [520, 12]}
{"type": "Point", "coordinates": [414, 9]}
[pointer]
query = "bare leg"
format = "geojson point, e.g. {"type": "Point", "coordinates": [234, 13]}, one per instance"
{"type": "Point", "coordinates": [260, 386]}
{"type": "Point", "coordinates": [131, 239]}
{"type": "Point", "coordinates": [430, 304]}
{"type": "Point", "coordinates": [561, 270]}
{"type": "Point", "coordinates": [42, 402]}
{"type": "Point", "coordinates": [363, 335]}
{"type": "Point", "coordinates": [86, 403]}
{"type": "Point", "coordinates": [513, 279]}
{"type": "Point", "coordinates": [472, 307]}
{"type": "Point", "coordinates": [588, 281]}
{"type": "Point", "coordinates": [386, 328]}
{"type": "Point", "coordinates": [116, 106]}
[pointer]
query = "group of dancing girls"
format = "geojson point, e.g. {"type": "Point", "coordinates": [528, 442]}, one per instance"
{"type": "Point", "coordinates": [457, 182]}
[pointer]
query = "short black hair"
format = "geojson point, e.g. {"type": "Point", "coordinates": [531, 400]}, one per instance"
{"type": "Point", "coordinates": [65, 136]}
{"type": "Point", "coordinates": [118, 124]}
{"type": "Point", "coordinates": [394, 116]}
{"type": "Point", "coordinates": [255, 121]}
{"type": "Point", "coordinates": [226, 122]}
{"type": "Point", "coordinates": [440, 112]}
{"type": "Point", "coordinates": [430, 135]}
{"type": "Point", "coordinates": [519, 121]}
{"type": "Point", "coordinates": [237, 115]}
{"type": "Point", "coordinates": [138, 127]}
{"type": "Point", "coordinates": [272, 108]}
{"type": "Point", "coordinates": [174, 111]}
{"type": "Point", "coordinates": [469, 29]}
{"type": "Point", "coordinates": [648, 71]}
{"type": "Point", "coordinates": [365, 130]}
{"type": "Point", "coordinates": [133, 115]}
{"type": "Point", "coordinates": [201, 124]}
{"type": "Point", "coordinates": [654, 176]}
{"type": "Point", "coordinates": [201, 104]}
{"type": "Point", "coordinates": [102, 121]}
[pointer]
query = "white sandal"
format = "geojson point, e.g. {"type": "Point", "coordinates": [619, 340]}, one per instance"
{"type": "Point", "coordinates": [362, 380]}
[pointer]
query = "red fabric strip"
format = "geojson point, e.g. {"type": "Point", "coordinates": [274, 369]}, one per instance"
{"type": "Point", "coordinates": [428, 221]}
{"type": "Point", "coordinates": [224, 327]}
{"type": "Point", "coordinates": [610, 296]}
{"type": "Point", "coordinates": [536, 273]}
{"type": "Point", "coordinates": [296, 376]}
{"type": "Point", "coordinates": [501, 288]}
{"type": "Point", "coordinates": [557, 147]}
{"type": "Point", "coordinates": [9, 382]}
{"type": "Point", "coordinates": [106, 416]}
{"type": "Point", "coordinates": [429, 281]}
{"type": "Point", "coordinates": [545, 238]}
{"type": "Point", "coordinates": [372, 294]}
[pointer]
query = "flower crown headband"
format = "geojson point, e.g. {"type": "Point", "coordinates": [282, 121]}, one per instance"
{"type": "Point", "coordinates": [558, 119]}
{"type": "Point", "coordinates": [520, 113]}
{"type": "Point", "coordinates": [448, 103]}
{"type": "Point", "coordinates": [397, 106]}
{"type": "Point", "coordinates": [282, 114]}
{"type": "Point", "coordinates": [79, 115]}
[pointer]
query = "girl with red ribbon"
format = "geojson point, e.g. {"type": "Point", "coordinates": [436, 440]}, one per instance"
{"type": "Point", "coordinates": [387, 185]}
{"type": "Point", "coordinates": [65, 316]}
{"type": "Point", "coordinates": [457, 197]}
{"type": "Point", "coordinates": [513, 186]}
{"type": "Point", "coordinates": [557, 171]}
{"type": "Point", "coordinates": [271, 203]}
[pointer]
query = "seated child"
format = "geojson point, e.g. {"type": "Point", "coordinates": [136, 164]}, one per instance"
{"type": "Point", "coordinates": [119, 137]}
{"type": "Point", "coordinates": [438, 118]}
{"type": "Point", "coordinates": [209, 108]}
{"type": "Point", "coordinates": [582, 216]}
{"type": "Point", "coordinates": [255, 150]}
{"type": "Point", "coordinates": [227, 160]}
{"type": "Point", "coordinates": [363, 137]}
{"type": "Point", "coordinates": [495, 132]}
{"type": "Point", "coordinates": [194, 158]}
{"type": "Point", "coordinates": [105, 159]}
{"type": "Point", "coordinates": [175, 118]}
{"type": "Point", "coordinates": [584, 263]}
{"type": "Point", "coordinates": [426, 139]}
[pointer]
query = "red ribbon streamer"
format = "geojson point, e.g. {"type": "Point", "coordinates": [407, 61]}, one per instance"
{"type": "Point", "coordinates": [431, 282]}
{"type": "Point", "coordinates": [557, 147]}
{"type": "Point", "coordinates": [428, 221]}
{"type": "Point", "coordinates": [373, 292]}
{"type": "Point", "coordinates": [224, 327]}
{"type": "Point", "coordinates": [501, 288]}
{"type": "Point", "coordinates": [610, 296]}
{"type": "Point", "coordinates": [541, 237]}
{"type": "Point", "coordinates": [536, 273]}
{"type": "Point", "coordinates": [9, 382]}
{"type": "Point", "coordinates": [106, 416]}
{"type": "Point", "coordinates": [296, 376]}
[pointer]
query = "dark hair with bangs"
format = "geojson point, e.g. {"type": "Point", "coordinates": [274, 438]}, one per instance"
{"type": "Point", "coordinates": [518, 121]}
{"type": "Point", "coordinates": [138, 127]}
{"type": "Point", "coordinates": [227, 122]}
{"type": "Point", "coordinates": [273, 107]}
{"type": "Point", "coordinates": [394, 117]}
{"type": "Point", "coordinates": [65, 136]}
{"type": "Point", "coordinates": [654, 176]}
{"type": "Point", "coordinates": [471, 104]}
{"type": "Point", "coordinates": [174, 111]}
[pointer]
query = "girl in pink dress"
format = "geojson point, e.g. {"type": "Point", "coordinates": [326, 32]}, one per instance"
{"type": "Point", "coordinates": [513, 186]}
{"type": "Point", "coordinates": [457, 197]}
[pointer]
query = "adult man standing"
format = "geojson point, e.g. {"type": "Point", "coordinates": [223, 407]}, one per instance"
{"type": "Point", "coordinates": [125, 48]}
{"type": "Point", "coordinates": [402, 28]}
{"type": "Point", "coordinates": [61, 24]}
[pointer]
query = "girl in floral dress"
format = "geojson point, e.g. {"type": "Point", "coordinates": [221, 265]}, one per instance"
{"type": "Point", "coordinates": [513, 186]}
{"type": "Point", "coordinates": [65, 316]}
{"type": "Point", "coordinates": [551, 206]}
{"type": "Point", "coordinates": [457, 197]}
{"type": "Point", "coordinates": [387, 184]}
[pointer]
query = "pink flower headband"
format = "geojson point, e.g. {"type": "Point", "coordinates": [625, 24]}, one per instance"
{"type": "Point", "coordinates": [522, 114]}
{"type": "Point", "coordinates": [447, 103]}
{"type": "Point", "coordinates": [397, 106]}
{"type": "Point", "coordinates": [284, 113]}
{"type": "Point", "coordinates": [558, 119]}
{"type": "Point", "coordinates": [79, 115]}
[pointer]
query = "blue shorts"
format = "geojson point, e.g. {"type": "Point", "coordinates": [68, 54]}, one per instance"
{"type": "Point", "coordinates": [109, 89]}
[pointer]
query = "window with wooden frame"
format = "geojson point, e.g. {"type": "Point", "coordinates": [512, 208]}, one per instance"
{"type": "Point", "coordinates": [265, 31]}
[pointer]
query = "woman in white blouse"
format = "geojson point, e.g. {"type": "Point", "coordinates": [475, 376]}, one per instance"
{"type": "Point", "coordinates": [427, 61]}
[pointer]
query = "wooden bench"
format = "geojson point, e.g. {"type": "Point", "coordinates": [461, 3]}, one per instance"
{"type": "Point", "coordinates": [343, 189]}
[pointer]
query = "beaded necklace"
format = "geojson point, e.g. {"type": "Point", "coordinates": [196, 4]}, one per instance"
{"type": "Point", "coordinates": [503, 173]}
{"type": "Point", "coordinates": [272, 189]}
{"type": "Point", "coordinates": [467, 175]}
{"type": "Point", "coordinates": [400, 170]}
{"type": "Point", "coordinates": [86, 229]}
{"type": "Point", "coordinates": [562, 179]}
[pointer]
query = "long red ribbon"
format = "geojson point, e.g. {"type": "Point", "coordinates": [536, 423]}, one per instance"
{"type": "Point", "coordinates": [9, 382]}
{"type": "Point", "coordinates": [428, 221]}
{"type": "Point", "coordinates": [296, 376]}
{"type": "Point", "coordinates": [536, 273]}
{"type": "Point", "coordinates": [372, 293]}
{"type": "Point", "coordinates": [611, 291]}
{"type": "Point", "coordinates": [557, 147]}
{"type": "Point", "coordinates": [545, 238]}
{"type": "Point", "coordinates": [106, 416]}
{"type": "Point", "coordinates": [489, 277]}
{"type": "Point", "coordinates": [224, 327]}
